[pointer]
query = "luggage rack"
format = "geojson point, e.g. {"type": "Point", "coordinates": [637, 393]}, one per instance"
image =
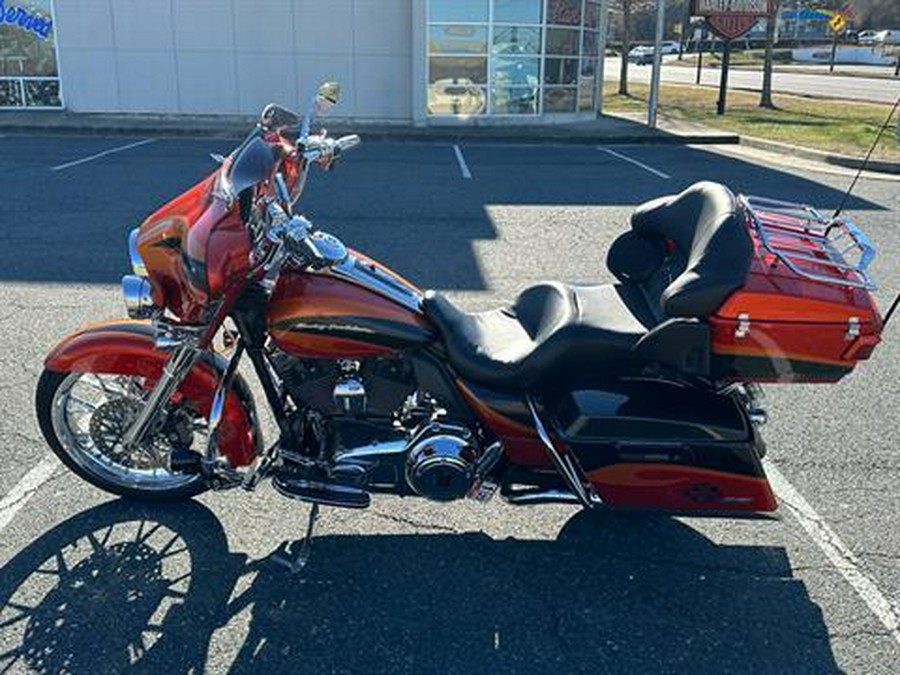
{"type": "Point", "coordinates": [833, 251]}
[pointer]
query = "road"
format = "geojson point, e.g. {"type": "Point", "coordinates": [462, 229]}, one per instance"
{"type": "Point", "coordinates": [91, 584]}
{"type": "Point", "coordinates": [878, 90]}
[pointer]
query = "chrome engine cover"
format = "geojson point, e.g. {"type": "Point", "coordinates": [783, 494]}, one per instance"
{"type": "Point", "coordinates": [442, 466]}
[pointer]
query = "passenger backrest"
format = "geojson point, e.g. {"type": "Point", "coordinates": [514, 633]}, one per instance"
{"type": "Point", "coordinates": [710, 249]}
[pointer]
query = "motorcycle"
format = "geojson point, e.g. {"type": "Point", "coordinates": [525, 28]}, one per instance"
{"type": "Point", "coordinates": [639, 394]}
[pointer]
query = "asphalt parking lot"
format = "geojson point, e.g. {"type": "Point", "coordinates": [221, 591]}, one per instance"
{"type": "Point", "coordinates": [93, 584]}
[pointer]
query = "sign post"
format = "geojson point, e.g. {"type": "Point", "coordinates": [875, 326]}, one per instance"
{"type": "Point", "coordinates": [729, 19]}
{"type": "Point", "coordinates": [653, 106]}
{"type": "Point", "coordinates": [837, 24]}
{"type": "Point", "coordinates": [723, 82]}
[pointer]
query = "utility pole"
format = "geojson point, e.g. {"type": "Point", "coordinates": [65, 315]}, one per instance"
{"type": "Point", "coordinates": [657, 63]}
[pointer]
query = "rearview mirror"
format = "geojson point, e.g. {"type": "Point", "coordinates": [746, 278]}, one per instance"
{"type": "Point", "coordinates": [327, 96]}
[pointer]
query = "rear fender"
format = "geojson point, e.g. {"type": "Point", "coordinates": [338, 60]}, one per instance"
{"type": "Point", "coordinates": [128, 348]}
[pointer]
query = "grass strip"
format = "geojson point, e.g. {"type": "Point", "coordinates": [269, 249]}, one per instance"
{"type": "Point", "coordinates": [843, 127]}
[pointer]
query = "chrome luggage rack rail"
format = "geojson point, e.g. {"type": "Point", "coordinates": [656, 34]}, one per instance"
{"type": "Point", "coordinates": [830, 250]}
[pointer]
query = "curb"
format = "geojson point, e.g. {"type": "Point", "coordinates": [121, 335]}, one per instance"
{"type": "Point", "coordinates": [239, 127]}
{"type": "Point", "coordinates": [845, 161]}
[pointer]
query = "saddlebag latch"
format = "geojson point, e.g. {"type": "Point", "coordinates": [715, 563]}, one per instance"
{"type": "Point", "coordinates": [743, 326]}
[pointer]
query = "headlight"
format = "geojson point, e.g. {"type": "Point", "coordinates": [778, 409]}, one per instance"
{"type": "Point", "coordinates": [137, 263]}
{"type": "Point", "coordinates": [138, 297]}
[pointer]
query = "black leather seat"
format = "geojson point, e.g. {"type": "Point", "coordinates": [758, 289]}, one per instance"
{"type": "Point", "coordinates": [684, 255]}
{"type": "Point", "coordinates": [551, 328]}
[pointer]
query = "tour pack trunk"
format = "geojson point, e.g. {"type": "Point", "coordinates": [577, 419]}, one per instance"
{"type": "Point", "coordinates": [805, 313]}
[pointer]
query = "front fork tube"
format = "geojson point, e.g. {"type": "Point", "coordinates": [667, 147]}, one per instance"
{"type": "Point", "coordinates": [175, 370]}
{"type": "Point", "coordinates": [211, 461]}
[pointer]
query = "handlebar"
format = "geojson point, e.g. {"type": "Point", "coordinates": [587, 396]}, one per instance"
{"type": "Point", "coordinates": [323, 149]}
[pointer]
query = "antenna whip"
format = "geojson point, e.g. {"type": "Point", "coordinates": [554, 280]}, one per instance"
{"type": "Point", "coordinates": [866, 160]}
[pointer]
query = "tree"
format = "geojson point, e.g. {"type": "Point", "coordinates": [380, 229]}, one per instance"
{"type": "Point", "coordinates": [765, 98]}
{"type": "Point", "coordinates": [629, 9]}
{"type": "Point", "coordinates": [877, 14]}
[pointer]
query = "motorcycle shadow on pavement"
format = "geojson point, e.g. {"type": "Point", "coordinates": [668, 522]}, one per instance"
{"type": "Point", "coordinates": [130, 588]}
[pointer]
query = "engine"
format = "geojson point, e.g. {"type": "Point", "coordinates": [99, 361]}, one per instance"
{"type": "Point", "coordinates": [373, 387]}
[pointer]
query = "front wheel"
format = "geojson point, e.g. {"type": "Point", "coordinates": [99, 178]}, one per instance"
{"type": "Point", "coordinates": [84, 416]}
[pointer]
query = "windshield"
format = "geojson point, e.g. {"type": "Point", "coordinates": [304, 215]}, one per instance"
{"type": "Point", "coordinates": [251, 162]}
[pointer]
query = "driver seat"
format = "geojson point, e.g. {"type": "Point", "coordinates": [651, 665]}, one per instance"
{"type": "Point", "coordinates": [550, 328]}
{"type": "Point", "coordinates": [684, 255]}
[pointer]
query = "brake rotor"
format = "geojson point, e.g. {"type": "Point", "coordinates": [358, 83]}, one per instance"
{"type": "Point", "coordinates": [108, 425]}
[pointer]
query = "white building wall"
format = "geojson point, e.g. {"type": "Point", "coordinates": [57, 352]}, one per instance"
{"type": "Point", "coordinates": [234, 56]}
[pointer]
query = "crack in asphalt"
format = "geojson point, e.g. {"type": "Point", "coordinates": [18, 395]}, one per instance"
{"type": "Point", "coordinates": [408, 521]}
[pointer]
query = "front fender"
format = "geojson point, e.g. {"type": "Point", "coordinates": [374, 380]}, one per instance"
{"type": "Point", "coordinates": [129, 348]}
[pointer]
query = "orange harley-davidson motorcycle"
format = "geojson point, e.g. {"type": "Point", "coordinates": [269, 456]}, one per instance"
{"type": "Point", "coordinates": [639, 394]}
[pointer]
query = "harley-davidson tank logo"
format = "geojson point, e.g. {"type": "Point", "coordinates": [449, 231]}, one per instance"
{"type": "Point", "coordinates": [332, 327]}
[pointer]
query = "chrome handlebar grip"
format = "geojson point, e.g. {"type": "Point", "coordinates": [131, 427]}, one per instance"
{"type": "Point", "coordinates": [323, 149]}
{"type": "Point", "coordinates": [347, 142]}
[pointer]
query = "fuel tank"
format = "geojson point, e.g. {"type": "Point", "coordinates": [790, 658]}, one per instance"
{"type": "Point", "coordinates": [358, 310]}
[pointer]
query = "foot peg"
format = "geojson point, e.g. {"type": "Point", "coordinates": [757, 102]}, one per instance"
{"type": "Point", "coordinates": [296, 563]}
{"type": "Point", "coordinates": [327, 494]}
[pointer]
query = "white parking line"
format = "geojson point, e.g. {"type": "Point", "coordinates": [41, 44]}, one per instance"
{"type": "Point", "coordinates": [463, 167]}
{"type": "Point", "coordinates": [837, 552]}
{"type": "Point", "coordinates": [24, 490]}
{"type": "Point", "coordinates": [60, 167]}
{"type": "Point", "coordinates": [628, 159]}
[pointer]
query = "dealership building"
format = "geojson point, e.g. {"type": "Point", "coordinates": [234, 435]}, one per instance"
{"type": "Point", "coordinates": [422, 62]}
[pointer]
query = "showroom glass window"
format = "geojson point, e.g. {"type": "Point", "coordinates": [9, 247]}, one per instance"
{"type": "Point", "coordinates": [512, 57]}
{"type": "Point", "coordinates": [29, 73]}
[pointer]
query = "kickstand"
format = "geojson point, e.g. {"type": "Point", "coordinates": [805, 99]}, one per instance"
{"type": "Point", "coordinates": [299, 561]}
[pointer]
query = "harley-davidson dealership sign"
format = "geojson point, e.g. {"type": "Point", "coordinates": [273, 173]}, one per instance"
{"type": "Point", "coordinates": [730, 18]}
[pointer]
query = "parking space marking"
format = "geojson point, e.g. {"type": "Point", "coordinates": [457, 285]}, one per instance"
{"type": "Point", "coordinates": [60, 167]}
{"type": "Point", "coordinates": [24, 490]}
{"type": "Point", "coordinates": [630, 160]}
{"type": "Point", "coordinates": [463, 167]}
{"type": "Point", "coordinates": [837, 552]}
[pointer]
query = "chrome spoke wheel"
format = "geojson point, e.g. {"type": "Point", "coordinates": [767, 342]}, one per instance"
{"type": "Point", "coordinates": [90, 414]}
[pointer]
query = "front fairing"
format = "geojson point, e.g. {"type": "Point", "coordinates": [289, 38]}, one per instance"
{"type": "Point", "coordinates": [196, 250]}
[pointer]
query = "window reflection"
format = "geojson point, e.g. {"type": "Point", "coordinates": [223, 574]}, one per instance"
{"type": "Point", "coordinates": [591, 14]}
{"type": "Point", "coordinates": [457, 39]}
{"type": "Point", "coordinates": [448, 97]}
{"type": "Point", "coordinates": [514, 100]}
{"type": "Point", "coordinates": [562, 41]}
{"type": "Point", "coordinates": [516, 40]}
{"type": "Point", "coordinates": [559, 99]}
{"type": "Point", "coordinates": [589, 44]}
{"type": "Point", "coordinates": [538, 56]}
{"type": "Point", "coordinates": [515, 71]}
{"type": "Point", "coordinates": [517, 11]}
{"type": "Point", "coordinates": [10, 94]}
{"type": "Point", "coordinates": [449, 11]}
{"type": "Point", "coordinates": [29, 73]}
{"type": "Point", "coordinates": [564, 12]}
{"type": "Point", "coordinates": [560, 71]}
{"type": "Point", "coordinates": [462, 69]}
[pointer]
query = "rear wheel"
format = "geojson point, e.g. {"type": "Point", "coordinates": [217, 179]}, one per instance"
{"type": "Point", "coordinates": [84, 416]}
